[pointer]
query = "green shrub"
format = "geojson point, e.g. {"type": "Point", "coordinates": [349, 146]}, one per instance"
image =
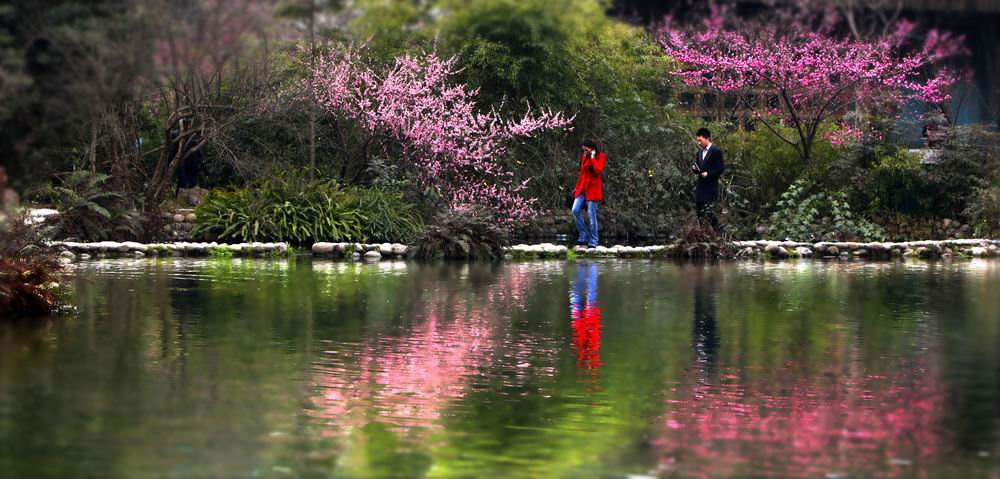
{"type": "Point", "coordinates": [897, 182]}
{"type": "Point", "coordinates": [804, 215]}
{"type": "Point", "coordinates": [283, 206]}
{"type": "Point", "coordinates": [89, 210]}
{"type": "Point", "coordinates": [984, 212]}
{"type": "Point", "coordinates": [466, 235]}
{"type": "Point", "coordinates": [389, 216]}
{"type": "Point", "coordinates": [770, 164]}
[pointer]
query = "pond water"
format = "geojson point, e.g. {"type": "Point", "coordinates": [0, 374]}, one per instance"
{"type": "Point", "coordinates": [256, 368]}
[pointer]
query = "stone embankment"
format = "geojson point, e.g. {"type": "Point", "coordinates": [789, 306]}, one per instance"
{"type": "Point", "coordinates": [110, 249]}
{"type": "Point", "coordinates": [979, 248]}
{"type": "Point", "coordinates": [357, 251]}
{"type": "Point", "coordinates": [970, 248]}
{"type": "Point", "coordinates": [179, 225]}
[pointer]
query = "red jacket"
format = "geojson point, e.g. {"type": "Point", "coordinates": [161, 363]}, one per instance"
{"type": "Point", "coordinates": [589, 182]}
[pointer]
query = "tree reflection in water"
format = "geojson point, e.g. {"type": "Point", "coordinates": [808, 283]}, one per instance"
{"type": "Point", "coordinates": [726, 419]}
{"type": "Point", "coordinates": [407, 379]}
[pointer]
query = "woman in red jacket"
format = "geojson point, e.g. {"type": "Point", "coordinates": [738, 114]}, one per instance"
{"type": "Point", "coordinates": [588, 191]}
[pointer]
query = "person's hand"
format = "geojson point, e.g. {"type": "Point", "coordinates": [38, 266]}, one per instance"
{"type": "Point", "coordinates": [694, 168]}
{"type": "Point", "coordinates": [593, 154]}
{"type": "Point", "coordinates": [704, 175]}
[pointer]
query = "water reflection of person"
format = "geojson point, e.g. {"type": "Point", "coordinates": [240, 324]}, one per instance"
{"type": "Point", "coordinates": [704, 336]}
{"type": "Point", "coordinates": [586, 318]}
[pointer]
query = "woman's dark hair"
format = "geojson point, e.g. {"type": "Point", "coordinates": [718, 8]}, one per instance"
{"type": "Point", "coordinates": [592, 144]}
{"type": "Point", "coordinates": [704, 133]}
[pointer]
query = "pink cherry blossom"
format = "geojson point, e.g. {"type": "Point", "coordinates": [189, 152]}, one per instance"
{"type": "Point", "coordinates": [456, 149]}
{"type": "Point", "coordinates": [799, 78]}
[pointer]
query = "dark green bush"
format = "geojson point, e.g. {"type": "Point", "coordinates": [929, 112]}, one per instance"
{"type": "Point", "coordinates": [466, 235]}
{"type": "Point", "coordinates": [890, 181]}
{"type": "Point", "coordinates": [389, 217]}
{"type": "Point", "coordinates": [89, 210]}
{"type": "Point", "coordinates": [897, 182]}
{"type": "Point", "coordinates": [968, 162]}
{"type": "Point", "coordinates": [283, 206]}
{"type": "Point", "coordinates": [984, 212]}
{"type": "Point", "coordinates": [807, 215]}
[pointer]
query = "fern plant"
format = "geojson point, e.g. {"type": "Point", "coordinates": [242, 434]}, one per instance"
{"type": "Point", "coordinates": [30, 271]}
{"type": "Point", "coordinates": [465, 235]}
{"type": "Point", "coordinates": [89, 209]}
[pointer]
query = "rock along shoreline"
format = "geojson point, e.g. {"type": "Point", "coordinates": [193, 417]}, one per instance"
{"type": "Point", "coordinates": [964, 248]}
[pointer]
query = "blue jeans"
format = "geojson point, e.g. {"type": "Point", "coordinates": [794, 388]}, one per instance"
{"type": "Point", "coordinates": [588, 236]}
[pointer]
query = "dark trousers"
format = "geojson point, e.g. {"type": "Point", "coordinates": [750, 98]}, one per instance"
{"type": "Point", "coordinates": [187, 176]}
{"type": "Point", "coordinates": [706, 212]}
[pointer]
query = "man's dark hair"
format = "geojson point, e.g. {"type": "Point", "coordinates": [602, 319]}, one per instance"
{"type": "Point", "coordinates": [704, 133]}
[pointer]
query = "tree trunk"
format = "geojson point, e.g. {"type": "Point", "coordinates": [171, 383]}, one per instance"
{"type": "Point", "coordinates": [312, 93]}
{"type": "Point", "coordinates": [93, 147]}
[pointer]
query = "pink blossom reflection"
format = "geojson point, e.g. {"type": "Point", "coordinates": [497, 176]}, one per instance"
{"type": "Point", "coordinates": [801, 424]}
{"type": "Point", "coordinates": [409, 380]}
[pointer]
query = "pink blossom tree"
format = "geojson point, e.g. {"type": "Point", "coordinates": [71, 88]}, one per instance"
{"type": "Point", "coordinates": [799, 77]}
{"type": "Point", "coordinates": [456, 150]}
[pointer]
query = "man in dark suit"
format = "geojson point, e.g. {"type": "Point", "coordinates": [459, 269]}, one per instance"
{"type": "Point", "coordinates": [709, 166]}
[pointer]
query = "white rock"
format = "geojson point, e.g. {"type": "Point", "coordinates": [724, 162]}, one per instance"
{"type": "Point", "coordinates": [39, 216]}
{"type": "Point", "coordinates": [550, 249]}
{"type": "Point", "coordinates": [385, 249]}
{"type": "Point", "coordinates": [373, 256]}
{"type": "Point", "coordinates": [978, 252]}
{"type": "Point", "coordinates": [399, 249]}
{"type": "Point", "coordinates": [323, 248]}
{"type": "Point", "coordinates": [133, 246]}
